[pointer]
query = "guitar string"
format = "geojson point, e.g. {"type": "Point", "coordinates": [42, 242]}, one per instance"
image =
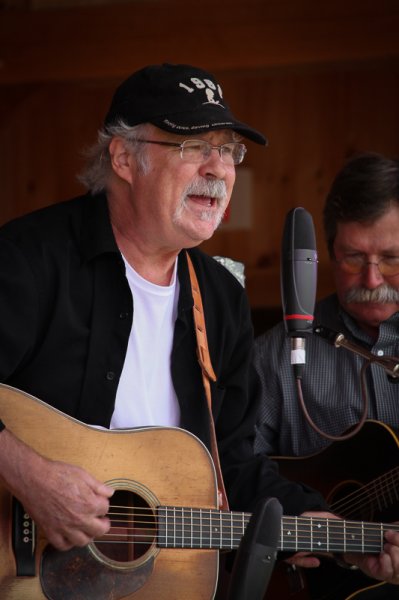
{"type": "Point", "coordinates": [386, 484]}
{"type": "Point", "coordinates": [213, 515]}
{"type": "Point", "coordinates": [181, 526]}
{"type": "Point", "coordinates": [370, 544]}
{"type": "Point", "coordinates": [354, 502]}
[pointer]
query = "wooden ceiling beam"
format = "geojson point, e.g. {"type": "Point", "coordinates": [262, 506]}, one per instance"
{"type": "Point", "coordinates": [111, 41]}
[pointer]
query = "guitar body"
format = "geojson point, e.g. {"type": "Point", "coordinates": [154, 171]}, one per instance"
{"type": "Point", "coordinates": [152, 467]}
{"type": "Point", "coordinates": [359, 477]}
{"type": "Point", "coordinates": [166, 529]}
{"type": "Point", "coordinates": [347, 467]}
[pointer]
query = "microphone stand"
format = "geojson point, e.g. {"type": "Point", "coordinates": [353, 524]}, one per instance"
{"type": "Point", "coordinates": [254, 562]}
{"type": "Point", "coordinates": [389, 363]}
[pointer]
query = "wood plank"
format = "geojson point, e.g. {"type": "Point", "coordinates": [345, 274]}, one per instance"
{"type": "Point", "coordinates": [111, 41]}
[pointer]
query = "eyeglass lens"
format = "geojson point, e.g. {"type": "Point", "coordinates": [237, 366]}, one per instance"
{"type": "Point", "coordinates": [387, 266]}
{"type": "Point", "coordinates": [199, 150]}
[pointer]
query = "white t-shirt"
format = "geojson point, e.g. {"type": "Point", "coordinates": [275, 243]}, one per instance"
{"type": "Point", "coordinates": [145, 394]}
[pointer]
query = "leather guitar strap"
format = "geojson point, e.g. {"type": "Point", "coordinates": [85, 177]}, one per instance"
{"type": "Point", "coordinates": [208, 374]}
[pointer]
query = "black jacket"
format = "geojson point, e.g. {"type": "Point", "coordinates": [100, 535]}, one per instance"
{"type": "Point", "coordinates": [66, 315]}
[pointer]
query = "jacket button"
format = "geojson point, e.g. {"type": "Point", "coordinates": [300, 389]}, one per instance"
{"type": "Point", "coordinates": [110, 375]}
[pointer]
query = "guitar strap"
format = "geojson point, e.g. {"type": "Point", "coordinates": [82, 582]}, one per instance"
{"type": "Point", "coordinates": [208, 374]}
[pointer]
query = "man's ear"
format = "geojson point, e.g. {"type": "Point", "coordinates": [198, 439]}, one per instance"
{"type": "Point", "coordinates": [122, 161]}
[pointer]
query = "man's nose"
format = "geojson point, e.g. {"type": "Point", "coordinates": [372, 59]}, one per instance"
{"type": "Point", "coordinates": [213, 166]}
{"type": "Point", "coordinates": [372, 276]}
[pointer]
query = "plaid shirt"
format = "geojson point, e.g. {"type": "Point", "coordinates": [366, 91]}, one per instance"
{"type": "Point", "coordinates": [331, 384]}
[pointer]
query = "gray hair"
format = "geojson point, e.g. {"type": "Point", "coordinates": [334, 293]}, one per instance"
{"type": "Point", "coordinates": [98, 169]}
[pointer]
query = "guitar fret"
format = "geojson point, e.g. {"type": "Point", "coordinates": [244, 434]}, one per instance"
{"type": "Point", "coordinates": [327, 535]}
{"type": "Point", "coordinates": [362, 537]}
{"type": "Point", "coordinates": [330, 535]}
{"type": "Point", "coordinates": [200, 536]}
{"type": "Point", "coordinates": [328, 538]}
{"type": "Point", "coordinates": [210, 530]}
{"type": "Point", "coordinates": [191, 527]}
{"type": "Point", "coordinates": [196, 534]}
{"type": "Point", "coordinates": [289, 539]}
{"type": "Point", "coordinates": [200, 528]}
{"type": "Point", "coordinates": [352, 537]}
{"type": "Point", "coordinates": [180, 527]}
{"type": "Point", "coordinates": [296, 534]}
{"type": "Point", "coordinates": [175, 525]}
{"type": "Point", "coordinates": [320, 536]}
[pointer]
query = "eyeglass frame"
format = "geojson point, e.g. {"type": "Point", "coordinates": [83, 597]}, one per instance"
{"type": "Point", "coordinates": [364, 263]}
{"type": "Point", "coordinates": [204, 142]}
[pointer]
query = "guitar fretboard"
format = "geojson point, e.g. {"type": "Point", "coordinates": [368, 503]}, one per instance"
{"type": "Point", "coordinates": [180, 527]}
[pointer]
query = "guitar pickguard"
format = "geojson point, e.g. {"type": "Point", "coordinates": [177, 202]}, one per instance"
{"type": "Point", "coordinates": [78, 575]}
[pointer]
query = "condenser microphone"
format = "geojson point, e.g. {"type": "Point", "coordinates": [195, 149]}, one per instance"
{"type": "Point", "coordinates": [298, 281]}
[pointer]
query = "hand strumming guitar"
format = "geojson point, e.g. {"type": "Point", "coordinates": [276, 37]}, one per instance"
{"type": "Point", "coordinates": [65, 501]}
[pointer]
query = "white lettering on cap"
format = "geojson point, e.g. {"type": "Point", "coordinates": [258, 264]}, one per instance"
{"type": "Point", "coordinates": [209, 86]}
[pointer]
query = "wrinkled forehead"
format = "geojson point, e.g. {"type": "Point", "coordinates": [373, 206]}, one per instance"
{"type": "Point", "coordinates": [378, 236]}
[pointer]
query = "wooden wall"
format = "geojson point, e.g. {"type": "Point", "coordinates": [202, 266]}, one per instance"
{"type": "Point", "coordinates": [321, 81]}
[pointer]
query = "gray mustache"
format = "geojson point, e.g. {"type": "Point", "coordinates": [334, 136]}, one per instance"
{"type": "Point", "coordinates": [384, 294]}
{"type": "Point", "coordinates": [215, 188]}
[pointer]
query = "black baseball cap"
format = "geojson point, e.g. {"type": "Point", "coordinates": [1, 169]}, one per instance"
{"type": "Point", "coordinates": [180, 99]}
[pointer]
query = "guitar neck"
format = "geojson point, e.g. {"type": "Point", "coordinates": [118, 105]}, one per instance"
{"type": "Point", "coordinates": [180, 527]}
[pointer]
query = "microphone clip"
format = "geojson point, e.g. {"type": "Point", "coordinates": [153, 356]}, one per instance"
{"type": "Point", "coordinates": [389, 363]}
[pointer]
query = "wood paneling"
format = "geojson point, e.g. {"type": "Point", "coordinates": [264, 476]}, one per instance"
{"type": "Point", "coordinates": [111, 41]}
{"type": "Point", "coordinates": [321, 81]}
{"type": "Point", "coordinates": [314, 119]}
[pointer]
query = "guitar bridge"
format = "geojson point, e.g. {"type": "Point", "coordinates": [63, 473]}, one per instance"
{"type": "Point", "coordinates": [23, 540]}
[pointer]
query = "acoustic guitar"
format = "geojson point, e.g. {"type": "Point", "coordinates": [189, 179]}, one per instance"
{"type": "Point", "coordinates": [166, 530]}
{"type": "Point", "coordinates": [359, 477]}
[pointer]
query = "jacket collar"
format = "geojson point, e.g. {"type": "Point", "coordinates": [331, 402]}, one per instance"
{"type": "Point", "coordinates": [96, 236]}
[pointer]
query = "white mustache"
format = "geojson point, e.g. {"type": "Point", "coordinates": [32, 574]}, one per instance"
{"type": "Point", "coordinates": [384, 294]}
{"type": "Point", "coordinates": [214, 188]}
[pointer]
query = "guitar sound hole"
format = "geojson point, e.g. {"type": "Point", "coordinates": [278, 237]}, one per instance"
{"type": "Point", "coordinates": [132, 531]}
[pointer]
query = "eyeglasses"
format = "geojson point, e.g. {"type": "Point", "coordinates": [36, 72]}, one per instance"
{"type": "Point", "coordinates": [198, 151]}
{"type": "Point", "coordinates": [356, 263]}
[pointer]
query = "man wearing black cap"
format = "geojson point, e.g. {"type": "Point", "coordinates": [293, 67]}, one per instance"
{"type": "Point", "coordinates": [97, 305]}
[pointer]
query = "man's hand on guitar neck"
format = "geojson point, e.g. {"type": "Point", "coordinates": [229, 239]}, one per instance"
{"type": "Point", "coordinates": [383, 567]}
{"type": "Point", "coordinates": [65, 501]}
{"type": "Point", "coordinates": [308, 560]}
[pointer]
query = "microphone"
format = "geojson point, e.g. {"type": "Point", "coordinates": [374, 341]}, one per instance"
{"type": "Point", "coordinates": [257, 552]}
{"type": "Point", "coordinates": [389, 363]}
{"type": "Point", "coordinates": [298, 281]}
